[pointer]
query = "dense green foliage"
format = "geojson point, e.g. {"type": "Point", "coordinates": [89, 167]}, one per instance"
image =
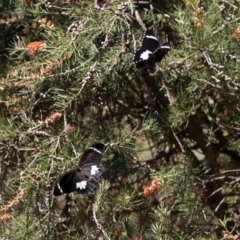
{"type": "Point", "coordinates": [67, 81]}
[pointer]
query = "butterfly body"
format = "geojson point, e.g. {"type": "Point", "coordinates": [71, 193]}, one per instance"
{"type": "Point", "coordinates": [151, 51]}
{"type": "Point", "coordinates": [83, 178]}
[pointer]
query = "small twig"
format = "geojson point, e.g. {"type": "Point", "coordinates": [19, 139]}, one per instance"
{"type": "Point", "coordinates": [29, 165]}
{"type": "Point", "coordinates": [215, 179]}
{"type": "Point", "coordinates": [65, 131]}
{"type": "Point", "coordinates": [217, 86]}
{"type": "Point", "coordinates": [96, 4]}
{"type": "Point", "coordinates": [178, 141]}
{"type": "Point", "coordinates": [138, 18]}
{"type": "Point", "coordinates": [100, 226]}
{"type": "Point", "coordinates": [169, 96]}
{"type": "Point", "coordinates": [71, 70]}
{"type": "Point", "coordinates": [39, 133]}
{"type": "Point", "coordinates": [42, 96]}
{"type": "Point", "coordinates": [218, 190]}
{"type": "Point", "coordinates": [40, 218]}
{"type": "Point", "coordinates": [222, 173]}
{"type": "Point", "coordinates": [219, 205]}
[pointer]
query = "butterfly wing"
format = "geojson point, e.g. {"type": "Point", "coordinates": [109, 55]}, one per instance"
{"type": "Point", "coordinates": [64, 184]}
{"type": "Point", "coordinates": [82, 184]}
{"type": "Point", "coordinates": [92, 154]}
{"type": "Point", "coordinates": [159, 54]}
{"type": "Point", "coordinates": [150, 42]}
{"type": "Point", "coordinates": [71, 181]}
{"type": "Point", "coordinates": [141, 57]}
{"type": "Point", "coordinates": [90, 162]}
{"type": "Point", "coordinates": [93, 171]}
{"type": "Point", "coordinates": [83, 179]}
{"type": "Point", "coordinates": [151, 51]}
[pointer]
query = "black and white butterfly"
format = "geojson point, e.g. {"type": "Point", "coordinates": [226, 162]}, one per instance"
{"type": "Point", "coordinates": [151, 51]}
{"type": "Point", "coordinates": [83, 178]}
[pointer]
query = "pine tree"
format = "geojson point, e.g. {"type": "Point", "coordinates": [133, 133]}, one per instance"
{"type": "Point", "coordinates": [171, 135]}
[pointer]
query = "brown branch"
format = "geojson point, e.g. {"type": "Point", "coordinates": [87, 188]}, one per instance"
{"type": "Point", "coordinates": [211, 154]}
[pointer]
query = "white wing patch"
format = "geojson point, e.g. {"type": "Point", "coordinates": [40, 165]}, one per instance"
{"type": "Point", "coordinates": [60, 189]}
{"type": "Point", "coordinates": [94, 169]}
{"type": "Point", "coordinates": [96, 150]}
{"type": "Point", "coordinates": [165, 47]}
{"type": "Point", "coordinates": [152, 37]}
{"type": "Point", "coordinates": [145, 55]}
{"type": "Point", "coordinates": [81, 185]}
